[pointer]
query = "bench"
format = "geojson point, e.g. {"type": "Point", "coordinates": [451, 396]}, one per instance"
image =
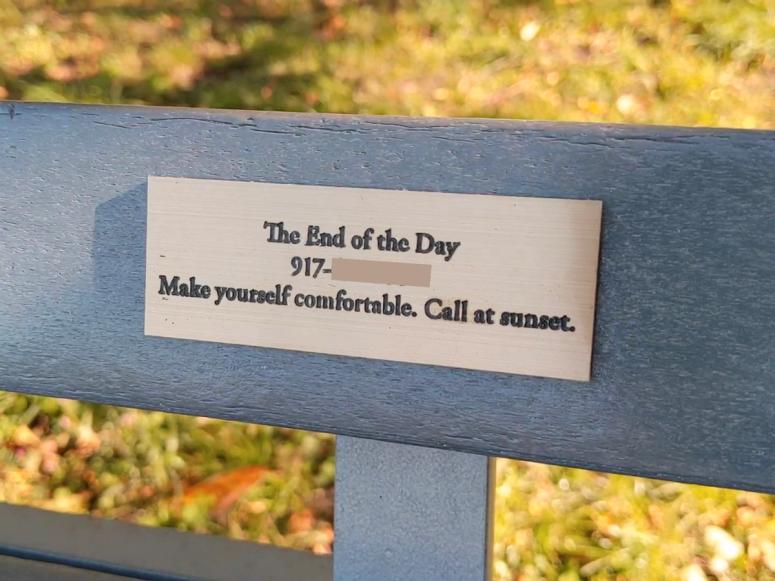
{"type": "Point", "coordinates": [682, 370]}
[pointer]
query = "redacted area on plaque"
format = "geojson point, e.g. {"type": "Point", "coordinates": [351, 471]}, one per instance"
{"type": "Point", "coordinates": [487, 282]}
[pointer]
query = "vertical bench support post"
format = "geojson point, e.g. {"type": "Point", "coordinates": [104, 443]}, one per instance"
{"type": "Point", "coordinates": [405, 512]}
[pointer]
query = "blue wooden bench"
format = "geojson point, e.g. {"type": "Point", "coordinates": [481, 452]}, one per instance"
{"type": "Point", "coordinates": [682, 376]}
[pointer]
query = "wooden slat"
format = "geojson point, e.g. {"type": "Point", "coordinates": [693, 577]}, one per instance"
{"type": "Point", "coordinates": [102, 549]}
{"type": "Point", "coordinates": [28, 570]}
{"type": "Point", "coordinates": [682, 373]}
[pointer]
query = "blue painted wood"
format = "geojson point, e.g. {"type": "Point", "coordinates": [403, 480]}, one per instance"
{"type": "Point", "coordinates": [683, 364]}
{"type": "Point", "coordinates": [84, 547]}
{"type": "Point", "coordinates": [405, 512]}
{"type": "Point", "coordinates": [20, 569]}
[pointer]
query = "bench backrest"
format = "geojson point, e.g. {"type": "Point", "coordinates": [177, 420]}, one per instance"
{"type": "Point", "coordinates": [683, 372]}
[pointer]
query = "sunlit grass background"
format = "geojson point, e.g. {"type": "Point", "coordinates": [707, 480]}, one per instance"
{"type": "Point", "coordinates": [683, 62]}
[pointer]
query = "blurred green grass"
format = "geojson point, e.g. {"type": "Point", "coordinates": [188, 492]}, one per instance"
{"type": "Point", "coordinates": [682, 62]}
{"type": "Point", "coordinates": [248, 481]}
{"type": "Point", "coordinates": [686, 62]}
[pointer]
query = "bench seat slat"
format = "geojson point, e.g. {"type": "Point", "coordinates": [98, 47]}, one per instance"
{"type": "Point", "coordinates": [107, 549]}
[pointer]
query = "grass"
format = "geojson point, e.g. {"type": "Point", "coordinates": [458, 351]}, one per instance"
{"type": "Point", "coordinates": [197, 474]}
{"type": "Point", "coordinates": [686, 62]}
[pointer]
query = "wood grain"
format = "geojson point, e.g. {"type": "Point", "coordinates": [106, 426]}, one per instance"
{"type": "Point", "coordinates": [513, 280]}
{"type": "Point", "coordinates": [683, 368]}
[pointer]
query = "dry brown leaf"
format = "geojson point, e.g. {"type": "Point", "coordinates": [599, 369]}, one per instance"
{"type": "Point", "coordinates": [225, 488]}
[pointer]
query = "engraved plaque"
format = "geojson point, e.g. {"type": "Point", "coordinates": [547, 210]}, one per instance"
{"type": "Point", "coordinates": [487, 282]}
